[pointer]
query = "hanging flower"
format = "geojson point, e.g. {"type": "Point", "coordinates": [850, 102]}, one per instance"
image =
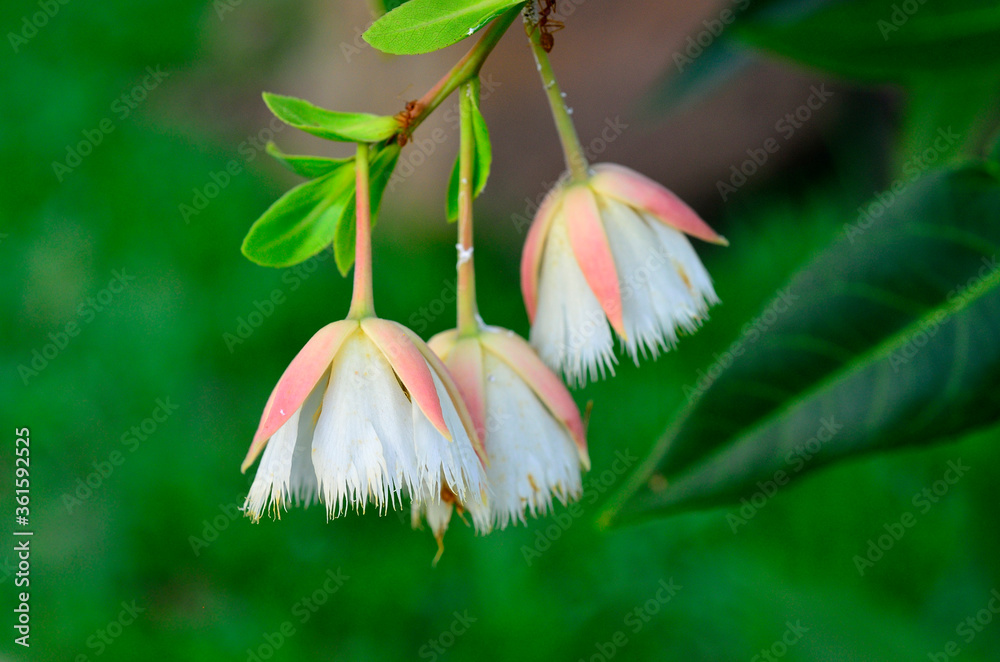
{"type": "Point", "coordinates": [365, 414]}
{"type": "Point", "coordinates": [612, 247]}
{"type": "Point", "coordinates": [530, 426]}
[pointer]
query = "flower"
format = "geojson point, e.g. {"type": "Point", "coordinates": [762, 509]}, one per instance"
{"type": "Point", "coordinates": [531, 429]}
{"type": "Point", "coordinates": [366, 413]}
{"type": "Point", "coordinates": [612, 247]}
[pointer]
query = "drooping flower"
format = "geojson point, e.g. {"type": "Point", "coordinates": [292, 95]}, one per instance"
{"type": "Point", "coordinates": [612, 249]}
{"type": "Point", "coordinates": [531, 429]}
{"type": "Point", "coordinates": [366, 414]}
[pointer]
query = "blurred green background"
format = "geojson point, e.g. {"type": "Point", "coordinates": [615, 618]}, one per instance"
{"type": "Point", "coordinates": [153, 404]}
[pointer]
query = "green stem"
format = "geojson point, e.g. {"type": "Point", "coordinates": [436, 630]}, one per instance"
{"type": "Point", "coordinates": [363, 300]}
{"type": "Point", "coordinates": [576, 161]}
{"type": "Point", "coordinates": [468, 313]}
{"type": "Point", "coordinates": [466, 69]}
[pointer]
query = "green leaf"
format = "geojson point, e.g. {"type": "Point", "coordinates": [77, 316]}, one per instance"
{"type": "Point", "coordinates": [482, 159]}
{"type": "Point", "coordinates": [880, 41]}
{"type": "Point", "coordinates": [382, 164]}
{"type": "Point", "coordinates": [345, 127]}
{"type": "Point", "coordinates": [302, 222]}
{"type": "Point", "coordinates": [307, 166]}
{"type": "Point", "coordinates": [957, 105]}
{"type": "Point", "coordinates": [888, 339]}
{"type": "Point", "coordinates": [422, 26]}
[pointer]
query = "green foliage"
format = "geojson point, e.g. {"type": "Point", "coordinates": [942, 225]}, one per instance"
{"type": "Point", "coordinates": [482, 159]}
{"type": "Point", "coordinates": [422, 26]}
{"type": "Point", "coordinates": [880, 41]}
{"type": "Point", "coordinates": [307, 166]}
{"type": "Point", "coordinates": [865, 349]}
{"type": "Point", "coordinates": [345, 127]}
{"type": "Point", "coordinates": [383, 162]}
{"type": "Point", "coordinates": [303, 221]}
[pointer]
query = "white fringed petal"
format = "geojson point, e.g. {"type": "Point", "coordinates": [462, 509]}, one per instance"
{"type": "Point", "coordinates": [663, 283]}
{"type": "Point", "coordinates": [286, 472]}
{"type": "Point", "coordinates": [364, 428]}
{"type": "Point", "coordinates": [570, 331]}
{"type": "Point", "coordinates": [531, 455]}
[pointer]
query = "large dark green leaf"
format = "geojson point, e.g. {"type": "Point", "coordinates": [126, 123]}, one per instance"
{"type": "Point", "coordinates": [882, 40]}
{"type": "Point", "coordinates": [889, 338]}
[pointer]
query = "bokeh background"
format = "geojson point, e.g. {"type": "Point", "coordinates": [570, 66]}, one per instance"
{"type": "Point", "coordinates": [140, 421]}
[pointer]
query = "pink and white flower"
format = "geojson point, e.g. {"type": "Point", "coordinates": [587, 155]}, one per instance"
{"type": "Point", "coordinates": [531, 429]}
{"type": "Point", "coordinates": [366, 414]}
{"type": "Point", "coordinates": [612, 249]}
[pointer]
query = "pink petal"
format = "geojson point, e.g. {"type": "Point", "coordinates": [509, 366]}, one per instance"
{"type": "Point", "coordinates": [465, 363]}
{"type": "Point", "coordinates": [297, 382]}
{"type": "Point", "coordinates": [449, 385]}
{"type": "Point", "coordinates": [534, 248]}
{"type": "Point", "coordinates": [643, 193]}
{"type": "Point", "coordinates": [411, 368]}
{"type": "Point", "coordinates": [593, 252]}
{"type": "Point", "coordinates": [443, 343]}
{"type": "Point", "coordinates": [547, 386]}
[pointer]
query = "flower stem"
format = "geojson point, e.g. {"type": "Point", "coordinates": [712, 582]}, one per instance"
{"type": "Point", "coordinates": [468, 313]}
{"type": "Point", "coordinates": [363, 300]}
{"type": "Point", "coordinates": [576, 161]}
{"type": "Point", "coordinates": [466, 68]}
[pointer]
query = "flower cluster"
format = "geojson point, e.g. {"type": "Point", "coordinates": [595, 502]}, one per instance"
{"type": "Point", "coordinates": [477, 420]}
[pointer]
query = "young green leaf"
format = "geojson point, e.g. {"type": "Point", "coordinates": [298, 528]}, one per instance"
{"type": "Point", "coordinates": [422, 26]}
{"type": "Point", "coordinates": [302, 222]}
{"type": "Point", "coordinates": [483, 158]}
{"type": "Point", "coordinates": [886, 340]}
{"type": "Point", "coordinates": [307, 166]}
{"type": "Point", "coordinates": [332, 125]}
{"type": "Point", "coordinates": [382, 165]}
